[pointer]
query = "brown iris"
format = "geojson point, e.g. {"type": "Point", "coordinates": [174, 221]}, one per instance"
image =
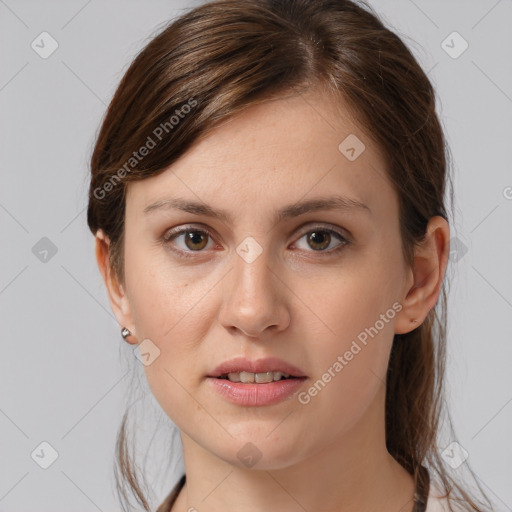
{"type": "Point", "coordinates": [319, 239]}
{"type": "Point", "coordinates": [196, 237]}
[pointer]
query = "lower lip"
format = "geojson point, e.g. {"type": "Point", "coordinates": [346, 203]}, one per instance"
{"type": "Point", "coordinates": [256, 394]}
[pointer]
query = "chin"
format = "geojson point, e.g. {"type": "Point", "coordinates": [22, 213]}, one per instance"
{"type": "Point", "coordinates": [260, 451]}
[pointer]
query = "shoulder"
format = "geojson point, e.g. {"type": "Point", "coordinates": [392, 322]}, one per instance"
{"type": "Point", "coordinates": [437, 503]}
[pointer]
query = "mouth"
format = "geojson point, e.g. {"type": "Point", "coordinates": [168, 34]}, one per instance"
{"type": "Point", "coordinates": [259, 371]}
{"type": "Point", "coordinates": [256, 378]}
{"type": "Point", "coordinates": [255, 389]}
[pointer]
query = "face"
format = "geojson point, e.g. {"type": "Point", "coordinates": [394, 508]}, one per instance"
{"type": "Point", "coordinates": [319, 288]}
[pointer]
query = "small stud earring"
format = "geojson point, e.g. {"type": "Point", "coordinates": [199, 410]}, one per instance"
{"type": "Point", "coordinates": [125, 333]}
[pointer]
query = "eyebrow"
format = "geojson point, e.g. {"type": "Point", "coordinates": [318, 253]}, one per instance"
{"type": "Point", "coordinates": [290, 211]}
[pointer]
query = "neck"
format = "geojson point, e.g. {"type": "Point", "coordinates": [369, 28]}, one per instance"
{"type": "Point", "coordinates": [354, 473]}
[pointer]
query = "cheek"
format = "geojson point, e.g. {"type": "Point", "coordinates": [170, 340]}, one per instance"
{"type": "Point", "coordinates": [170, 307]}
{"type": "Point", "coordinates": [354, 299]}
{"type": "Point", "coordinates": [163, 295]}
{"type": "Point", "coordinates": [351, 367]}
{"type": "Point", "coordinates": [357, 309]}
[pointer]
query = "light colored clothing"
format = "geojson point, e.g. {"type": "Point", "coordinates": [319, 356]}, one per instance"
{"type": "Point", "coordinates": [435, 503]}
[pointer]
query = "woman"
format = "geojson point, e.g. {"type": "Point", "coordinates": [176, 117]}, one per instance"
{"type": "Point", "coordinates": [267, 195]}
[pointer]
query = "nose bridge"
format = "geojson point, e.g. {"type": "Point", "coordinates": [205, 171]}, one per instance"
{"type": "Point", "coordinates": [252, 302]}
{"type": "Point", "coordinates": [252, 272]}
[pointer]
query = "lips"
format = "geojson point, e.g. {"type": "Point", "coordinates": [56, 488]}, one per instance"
{"type": "Point", "coordinates": [269, 364]}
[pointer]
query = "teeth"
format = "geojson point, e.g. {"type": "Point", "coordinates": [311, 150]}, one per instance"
{"type": "Point", "coordinates": [260, 378]}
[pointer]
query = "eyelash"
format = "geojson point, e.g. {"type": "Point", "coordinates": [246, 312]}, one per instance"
{"type": "Point", "coordinates": [169, 236]}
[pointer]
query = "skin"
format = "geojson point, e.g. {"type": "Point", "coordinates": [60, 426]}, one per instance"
{"type": "Point", "coordinates": [295, 301]}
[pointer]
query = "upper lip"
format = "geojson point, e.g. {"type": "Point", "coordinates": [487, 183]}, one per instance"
{"type": "Point", "coordinates": [268, 364]}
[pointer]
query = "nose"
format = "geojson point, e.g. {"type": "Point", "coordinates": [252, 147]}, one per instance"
{"type": "Point", "coordinates": [254, 300]}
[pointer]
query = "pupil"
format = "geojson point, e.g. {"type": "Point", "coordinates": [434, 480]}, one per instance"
{"type": "Point", "coordinates": [194, 237]}
{"type": "Point", "coordinates": [323, 235]}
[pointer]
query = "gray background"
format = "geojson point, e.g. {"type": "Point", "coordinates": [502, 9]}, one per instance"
{"type": "Point", "coordinates": [65, 371]}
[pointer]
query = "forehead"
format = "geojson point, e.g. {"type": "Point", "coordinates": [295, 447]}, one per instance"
{"type": "Point", "coordinates": [274, 153]}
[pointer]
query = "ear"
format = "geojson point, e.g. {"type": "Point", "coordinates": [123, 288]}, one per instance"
{"type": "Point", "coordinates": [116, 293]}
{"type": "Point", "coordinates": [426, 276]}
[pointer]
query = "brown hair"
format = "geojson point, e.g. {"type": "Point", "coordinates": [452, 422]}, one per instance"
{"type": "Point", "coordinates": [224, 56]}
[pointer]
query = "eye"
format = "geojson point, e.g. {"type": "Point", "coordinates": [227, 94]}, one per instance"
{"type": "Point", "coordinates": [194, 240]}
{"type": "Point", "coordinates": [320, 238]}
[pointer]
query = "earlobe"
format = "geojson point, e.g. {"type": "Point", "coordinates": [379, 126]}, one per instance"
{"type": "Point", "coordinates": [430, 260]}
{"type": "Point", "coordinates": [115, 290]}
